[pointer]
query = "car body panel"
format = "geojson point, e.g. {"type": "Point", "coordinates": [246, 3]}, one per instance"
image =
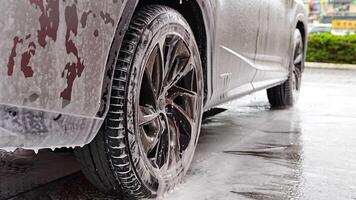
{"type": "Point", "coordinates": [58, 59]}
{"type": "Point", "coordinates": [234, 50]}
{"type": "Point", "coordinates": [53, 53]}
{"type": "Point", "coordinates": [273, 49]}
{"type": "Point", "coordinates": [276, 43]}
{"type": "Point", "coordinates": [277, 20]}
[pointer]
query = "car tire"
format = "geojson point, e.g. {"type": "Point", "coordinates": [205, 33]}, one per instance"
{"type": "Point", "coordinates": [149, 136]}
{"type": "Point", "coordinates": [287, 94]}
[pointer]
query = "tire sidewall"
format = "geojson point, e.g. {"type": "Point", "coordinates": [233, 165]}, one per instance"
{"type": "Point", "coordinates": [163, 24]}
{"type": "Point", "coordinates": [291, 95]}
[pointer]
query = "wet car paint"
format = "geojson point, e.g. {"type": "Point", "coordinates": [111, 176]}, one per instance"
{"type": "Point", "coordinates": [247, 54]}
{"type": "Point", "coordinates": [53, 51]}
{"type": "Point", "coordinates": [61, 57]}
{"type": "Point", "coordinates": [55, 84]}
{"type": "Point", "coordinates": [250, 151]}
{"type": "Point", "coordinates": [32, 129]}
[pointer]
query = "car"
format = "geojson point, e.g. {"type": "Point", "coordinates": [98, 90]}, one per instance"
{"type": "Point", "coordinates": [320, 28]}
{"type": "Point", "coordinates": [342, 32]}
{"type": "Point", "coordinates": [126, 82]}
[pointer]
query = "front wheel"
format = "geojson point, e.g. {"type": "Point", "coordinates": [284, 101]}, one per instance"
{"type": "Point", "coordinates": [149, 137]}
{"type": "Point", "coordinates": [287, 94]}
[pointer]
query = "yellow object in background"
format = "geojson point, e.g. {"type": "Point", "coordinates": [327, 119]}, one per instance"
{"type": "Point", "coordinates": [344, 24]}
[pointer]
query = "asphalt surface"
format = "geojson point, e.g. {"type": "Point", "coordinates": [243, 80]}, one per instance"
{"type": "Point", "coordinates": [247, 152]}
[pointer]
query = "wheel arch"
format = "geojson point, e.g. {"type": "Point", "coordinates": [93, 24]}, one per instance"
{"type": "Point", "coordinates": [304, 32]}
{"type": "Point", "coordinates": [199, 15]}
{"type": "Point", "coordinates": [124, 22]}
{"type": "Point", "coordinates": [301, 24]}
{"type": "Point", "coordinates": [302, 28]}
{"type": "Point", "coordinates": [193, 12]}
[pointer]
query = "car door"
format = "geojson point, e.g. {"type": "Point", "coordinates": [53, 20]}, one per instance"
{"type": "Point", "coordinates": [237, 24]}
{"type": "Point", "coordinates": [273, 48]}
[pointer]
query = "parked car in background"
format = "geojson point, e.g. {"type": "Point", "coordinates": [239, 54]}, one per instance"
{"type": "Point", "coordinates": [126, 82]}
{"type": "Point", "coordinates": [343, 32]}
{"type": "Point", "coordinates": [320, 28]}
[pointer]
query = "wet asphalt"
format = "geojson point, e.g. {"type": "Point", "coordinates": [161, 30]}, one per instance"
{"type": "Point", "coordinates": [247, 152]}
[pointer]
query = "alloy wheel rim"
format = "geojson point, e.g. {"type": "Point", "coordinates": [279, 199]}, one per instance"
{"type": "Point", "coordinates": [297, 66]}
{"type": "Point", "coordinates": [169, 104]}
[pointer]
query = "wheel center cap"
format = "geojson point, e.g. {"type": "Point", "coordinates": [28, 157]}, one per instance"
{"type": "Point", "coordinates": [163, 103]}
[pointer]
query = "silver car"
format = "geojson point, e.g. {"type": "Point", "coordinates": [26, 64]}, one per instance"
{"type": "Point", "coordinates": [126, 82]}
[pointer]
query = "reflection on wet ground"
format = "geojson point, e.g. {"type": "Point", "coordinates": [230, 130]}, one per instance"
{"type": "Point", "coordinates": [21, 170]}
{"type": "Point", "coordinates": [247, 152]}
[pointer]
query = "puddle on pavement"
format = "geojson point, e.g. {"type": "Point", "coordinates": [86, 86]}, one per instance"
{"type": "Point", "coordinates": [272, 152]}
{"type": "Point", "coordinates": [23, 170]}
{"type": "Point", "coordinates": [257, 195]}
{"type": "Point", "coordinates": [73, 187]}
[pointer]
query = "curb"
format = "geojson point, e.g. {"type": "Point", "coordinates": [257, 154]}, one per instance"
{"type": "Point", "coordinates": [329, 66]}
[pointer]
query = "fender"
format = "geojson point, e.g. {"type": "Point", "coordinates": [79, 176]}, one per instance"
{"type": "Point", "coordinates": [56, 56]}
{"type": "Point", "coordinates": [208, 15]}
{"type": "Point", "coordinates": [301, 18]}
{"type": "Point", "coordinates": [121, 29]}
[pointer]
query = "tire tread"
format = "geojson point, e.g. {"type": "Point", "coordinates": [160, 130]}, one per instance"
{"type": "Point", "coordinates": [118, 175]}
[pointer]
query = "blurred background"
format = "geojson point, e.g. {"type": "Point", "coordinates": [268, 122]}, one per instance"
{"type": "Point", "coordinates": [332, 28]}
{"type": "Point", "coordinates": [336, 16]}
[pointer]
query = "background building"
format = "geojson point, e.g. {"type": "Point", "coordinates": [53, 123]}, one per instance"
{"type": "Point", "coordinates": [326, 11]}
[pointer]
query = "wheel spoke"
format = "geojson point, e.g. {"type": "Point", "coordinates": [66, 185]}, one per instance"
{"type": "Point", "coordinates": [154, 70]}
{"type": "Point", "coordinates": [298, 59]}
{"type": "Point", "coordinates": [298, 54]}
{"type": "Point", "coordinates": [177, 62]}
{"type": "Point", "coordinates": [149, 142]}
{"type": "Point", "coordinates": [174, 150]}
{"type": "Point", "coordinates": [297, 74]}
{"type": "Point", "coordinates": [161, 154]}
{"type": "Point", "coordinates": [150, 127]}
{"type": "Point", "coordinates": [177, 91]}
{"type": "Point", "coordinates": [147, 115]}
{"type": "Point", "coordinates": [167, 48]}
{"type": "Point", "coordinates": [182, 74]}
{"type": "Point", "coordinates": [170, 44]}
{"type": "Point", "coordinates": [162, 67]}
{"type": "Point", "coordinates": [183, 118]}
